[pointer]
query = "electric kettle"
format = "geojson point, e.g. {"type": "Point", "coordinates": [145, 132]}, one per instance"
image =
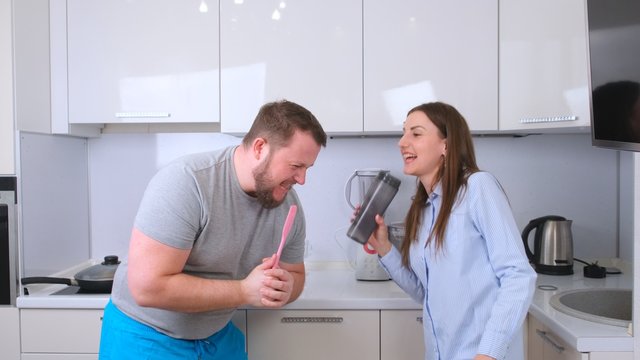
{"type": "Point", "coordinates": [552, 245]}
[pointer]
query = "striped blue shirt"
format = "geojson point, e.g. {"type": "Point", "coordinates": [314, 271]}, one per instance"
{"type": "Point", "coordinates": [477, 289]}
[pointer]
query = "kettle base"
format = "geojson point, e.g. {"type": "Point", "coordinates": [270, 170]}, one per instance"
{"type": "Point", "coordinates": [554, 269]}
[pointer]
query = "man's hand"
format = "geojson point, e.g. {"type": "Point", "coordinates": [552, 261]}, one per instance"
{"type": "Point", "coordinates": [278, 287]}
{"type": "Point", "coordinates": [254, 285]}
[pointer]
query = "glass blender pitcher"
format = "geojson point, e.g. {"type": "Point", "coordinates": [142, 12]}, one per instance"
{"type": "Point", "coordinates": [365, 178]}
{"type": "Point", "coordinates": [366, 263]}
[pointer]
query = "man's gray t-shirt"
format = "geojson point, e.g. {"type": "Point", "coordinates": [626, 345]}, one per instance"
{"type": "Point", "coordinates": [196, 203]}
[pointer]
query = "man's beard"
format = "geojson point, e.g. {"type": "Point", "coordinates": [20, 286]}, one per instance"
{"type": "Point", "coordinates": [264, 186]}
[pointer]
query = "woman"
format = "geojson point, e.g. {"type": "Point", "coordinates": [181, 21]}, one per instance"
{"type": "Point", "coordinates": [462, 256]}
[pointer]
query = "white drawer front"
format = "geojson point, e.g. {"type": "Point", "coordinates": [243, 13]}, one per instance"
{"type": "Point", "coordinates": [313, 334]}
{"type": "Point", "coordinates": [60, 331]}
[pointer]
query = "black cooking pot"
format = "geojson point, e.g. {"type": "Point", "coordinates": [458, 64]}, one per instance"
{"type": "Point", "coordinates": [97, 278]}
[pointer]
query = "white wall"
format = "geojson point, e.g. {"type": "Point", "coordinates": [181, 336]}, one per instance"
{"type": "Point", "coordinates": [120, 167]}
{"type": "Point", "coordinates": [542, 174]}
{"type": "Point", "coordinates": [6, 91]}
{"type": "Point", "coordinates": [53, 199]}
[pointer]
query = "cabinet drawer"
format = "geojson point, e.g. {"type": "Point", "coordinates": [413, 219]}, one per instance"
{"type": "Point", "coordinates": [60, 331]}
{"type": "Point", "coordinates": [313, 334]}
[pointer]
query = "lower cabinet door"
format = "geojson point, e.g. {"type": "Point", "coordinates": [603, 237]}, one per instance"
{"type": "Point", "coordinates": [60, 331]}
{"type": "Point", "coordinates": [239, 319]}
{"type": "Point", "coordinates": [401, 335]}
{"type": "Point", "coordinates": [313, 334]}
{"type": "Point", "coordinates": [543, 344]}
{"type": "Point", "coordinates": [535, 344]}
{"type": "Point", "coordinates": [9, 334]}
{"type": "Point", "coordinates": [556, 349]}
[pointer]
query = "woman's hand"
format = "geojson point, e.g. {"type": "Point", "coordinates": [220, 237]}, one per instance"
{"type": "Point", "coordinates": [379, 239]}
{"type": "Point", "coordinates": [483, 357]}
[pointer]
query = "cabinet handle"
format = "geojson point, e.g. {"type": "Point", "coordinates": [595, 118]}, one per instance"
{"type": "Point", "coordinates": [311, 319]}
{"type": "Point", "coordinates": [143, 114]}
{"type": "Point", "coordinates": [546, 119]}
{"type": "Point", "coordinates": [419, 319]}
{"type": "Point", "coordinates": [547, 339]}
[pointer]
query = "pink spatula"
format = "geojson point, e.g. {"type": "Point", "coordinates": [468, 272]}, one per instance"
{"type": "Point", "coordinates": [285, 231]}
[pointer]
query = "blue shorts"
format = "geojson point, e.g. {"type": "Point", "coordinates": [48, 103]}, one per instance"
{"type": "Point", "coordinates": [124, 338]}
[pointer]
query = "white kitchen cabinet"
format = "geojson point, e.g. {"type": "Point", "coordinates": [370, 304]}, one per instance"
{"type": "Point", "coordinates": [7, 166]}
{"type": "Point", "coordinates": [313, 334]}
{"type": "Point", "coordinates": [65, 333]}
{"type": "Point", "coordinates": [401, 335]}
{"type": "Point", "coordinates": [535, 343]}
{"type": "Point", "coordinates": [543, 344]}
{"type": "Point", "coordinates": [543, 65]}
{"type": "Point", "coordinates": [40, 69]}
{"type": "Point", "coordinates": [239, 319]}
{"type": "Point", "coordinates": [418, 51]}
{"type": "Point", "coordinates": [9, 333]}
{"type": "Point", "coordinates": [143, 61]}
{"type": "Point", "coordinates": [60, 331]}
{"type": "Point", "coordinates": [308, 52]}
{"type": "Point", "coordinates": [59, 357]}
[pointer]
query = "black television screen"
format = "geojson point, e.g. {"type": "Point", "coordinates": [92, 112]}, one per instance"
{"type": "Point", "coordinates": [614, 62]}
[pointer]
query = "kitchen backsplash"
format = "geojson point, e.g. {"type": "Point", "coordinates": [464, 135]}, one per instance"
{"type": "Point", "coordinates": [542, 174]}
{"type": "Point", "coordinates": [79, 196]}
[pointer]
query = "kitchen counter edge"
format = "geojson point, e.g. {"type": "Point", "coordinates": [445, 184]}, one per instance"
{"type": "Point", "coordinates": [583, 335]}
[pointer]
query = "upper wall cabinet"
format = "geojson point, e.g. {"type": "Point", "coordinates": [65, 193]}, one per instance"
{"type": "Point", "coordinates": [143, 61]}
{"type": "Point", "coordinates": [417, 51]}
{"type": "Point", "coordinates": [309, 52]}
{"type": "Point", "coordinates": [40, 69]}
{"type": "Point", "coordinates": [543, 65]}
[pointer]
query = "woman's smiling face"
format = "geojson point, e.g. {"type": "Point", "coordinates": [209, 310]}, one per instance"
{"type": "Point", "coordinates": [422, 147]}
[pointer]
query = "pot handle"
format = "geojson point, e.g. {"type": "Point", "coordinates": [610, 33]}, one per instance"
{"type": "Point", "coordinates": [45, 280]}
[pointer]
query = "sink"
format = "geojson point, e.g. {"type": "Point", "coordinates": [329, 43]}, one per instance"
{"type": "Point", "coordinates": [605, 306]}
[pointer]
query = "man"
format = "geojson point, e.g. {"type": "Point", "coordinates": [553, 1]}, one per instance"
{"type": "Point", "coordinates": [203, 243]}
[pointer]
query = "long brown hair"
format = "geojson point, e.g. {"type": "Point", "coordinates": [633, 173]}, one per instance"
{"type": "Point", "coordinates": [458, 164]}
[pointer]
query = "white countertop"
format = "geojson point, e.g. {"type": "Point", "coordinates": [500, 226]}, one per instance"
{"type": "Point", "coordinates": [584, 335]}
{"type": "Point", "coordinates": [328, 286]}
{"type": "Point", "coordinates": [333, 286]}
